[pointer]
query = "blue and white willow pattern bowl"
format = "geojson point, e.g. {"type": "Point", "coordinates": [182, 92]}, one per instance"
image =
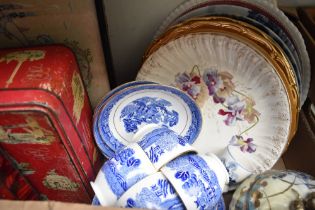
{"type": "Point", "coordinates": [134, 108]}
{"type": "Point", "coordinates": [188, 182]}
{"type": "Point", "coordinates": [119, 173]}
{"type": "Point", "coordinates": [189, 177]}
{"type": "Point", "coordinates": [198, 179]}
{"type": "Point", "coordinates": [220, 204]}
{"type": "Point", "coordinates": [162, 145]}
{"type": "Point", "coordinates": [134, 162]}
{"type": "Point", "coordinates": [153, 192]}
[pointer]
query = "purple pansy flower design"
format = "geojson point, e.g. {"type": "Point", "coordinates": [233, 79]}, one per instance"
{"type": "Point", "coordinates": [189, 83]}
{"type": "Point", "coordinates": [213, 81]}
{"type": "Point", "coordinates": [235, 108]}
{"type": "Point", "coordinates": [245, 145]}
{"type": "Point", "coordinates": [219, 84]}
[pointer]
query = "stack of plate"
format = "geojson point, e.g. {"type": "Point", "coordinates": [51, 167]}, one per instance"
{"type": "Point", "coordinates": [245, 65]}
{"type": "Point", "coordinates": [133, 108]}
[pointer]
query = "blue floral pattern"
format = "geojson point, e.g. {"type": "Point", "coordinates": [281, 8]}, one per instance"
{"type": "Point", "coordinates": [149, 110]}
{"type": "Point", "coordinates": [160, 195]}
{"type": "Point", "coordinates": [114, 144]}
{"type": "Point", "coordinates": [159, 142]}
{"type": "Point", "coordinates": [120, 180]}
{"type": "Point", "coordinates": [231, 169]}
{"type": "Point", "coordinates": [220, 204]}
{"type": "Point", "coordinates": [107, 151]}
{"type": "Point", "coordinates": [95, 201]}
{"type": "Point", "coordinates": [198, 180]}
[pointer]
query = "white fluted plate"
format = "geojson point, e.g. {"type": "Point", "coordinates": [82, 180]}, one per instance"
{"type": "Point", "coordinates": [264, 12]}
{"type": "Point", "coordinates": [243, 102]}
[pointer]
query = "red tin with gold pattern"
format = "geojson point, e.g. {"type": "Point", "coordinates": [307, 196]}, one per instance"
{"type": "Point", "coordinates": [45, 122]}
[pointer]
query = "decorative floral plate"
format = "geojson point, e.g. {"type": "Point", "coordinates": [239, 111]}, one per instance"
{"type": "Point", "coordinates": [223, 8]}
{"type": "Point", "coordinates": [100, 143]}
{"type": "Point", "coordinates": [134, 108]}
{"type": "Point", "coordinates": [246, 104]}
{"type": "Point", "coordinates": [262, 12]}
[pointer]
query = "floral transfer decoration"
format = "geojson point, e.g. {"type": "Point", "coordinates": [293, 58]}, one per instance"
{"type": "Point", "coordinates": [236, 106]}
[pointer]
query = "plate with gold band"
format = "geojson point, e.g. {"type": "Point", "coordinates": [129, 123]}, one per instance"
{"type": "Point", "coordinates": [262, 14]}
{"type": "Point", "coordinates": [242, 81]}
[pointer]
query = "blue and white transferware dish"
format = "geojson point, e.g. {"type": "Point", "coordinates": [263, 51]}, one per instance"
{"type": "Point", "coordinates": [135, 108]}
{"type": "Point", "coordinates": [220, 205]}
{"type": "Point", "coordinates": [153, 192]}
{"type": "Point", "coordinates": [198, 179]}
{"type": "Point", "coordinates": [118, 174]}
{"type": "Point", "coordinates": [106, 151]}
{"type": "Point", "coordinates": [95, 201]}
{"type": "Point", "coordinates": [116, 90]}
{"type": "Point", "coordinates": [275, 190]}
{"type": "Point", "coordinates": [163, 145]}
{"type": "Point", "coordinates": [238, 169]}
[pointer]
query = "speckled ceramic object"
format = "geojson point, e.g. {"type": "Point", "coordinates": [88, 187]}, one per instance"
{"type": "Point", "coordinates": [275, 190]}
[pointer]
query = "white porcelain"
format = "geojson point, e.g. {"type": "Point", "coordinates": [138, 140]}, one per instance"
{"type": "Point", "coordinates": [243, 101]}
{"type": "Point", "coordinates": [275, 190]}
{"type": "Point", "coordinates": [276, 14]}
{"type": "Point", "coordinates": [198, 179]}
{"type": "Point", "coordinates": [134, 108]}
{"type": "Point", "coordinates": [118, 174]}
{"type": "Point", "coordinates": [238, 169]}
{"type": "Point", "coordinates": [163, 145]}
{"type": "Point", "coordinates": [240, 12]}
{"type": "Point", "coordinates": [262, 11]}
{"type": "Point", "coordinates": [153, 192]}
